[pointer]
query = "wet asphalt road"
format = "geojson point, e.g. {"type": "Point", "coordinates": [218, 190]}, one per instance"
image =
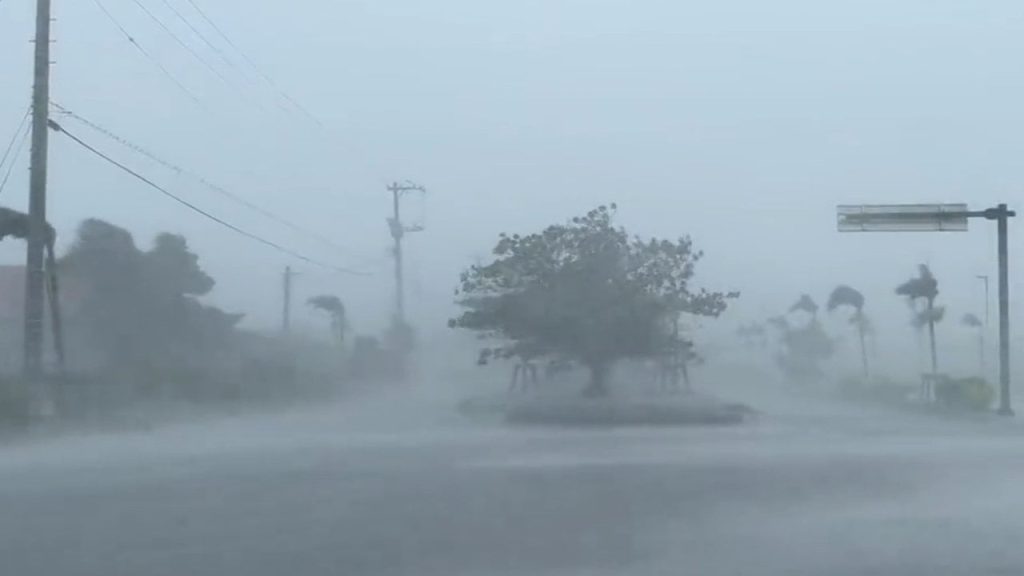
{"type": "Point", "coordinates": [320, 493]}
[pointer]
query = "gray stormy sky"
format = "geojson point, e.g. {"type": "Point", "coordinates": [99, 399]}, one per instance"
{"type": "Point", "coordinates": [740, 122]}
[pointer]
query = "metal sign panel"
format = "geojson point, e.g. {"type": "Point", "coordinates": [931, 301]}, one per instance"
{"type": "Point", "coordinates": [902, 218]}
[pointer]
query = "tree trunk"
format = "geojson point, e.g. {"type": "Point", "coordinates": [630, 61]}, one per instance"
{"type": "Point", "coordinates": [863, 350]}
{"type": "Point", "coordinates": [931, 337]}
{"type": "Point", "coordinates": [981, 353]}
{"type": "Point", "coordinates": [598, 386]}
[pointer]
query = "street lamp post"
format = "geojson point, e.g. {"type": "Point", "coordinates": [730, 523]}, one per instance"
{"type": "Point", "coordinates": [984, 278]}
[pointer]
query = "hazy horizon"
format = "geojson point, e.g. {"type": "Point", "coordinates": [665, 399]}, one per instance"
{"type": "Point", "coordinates": [739, 125]}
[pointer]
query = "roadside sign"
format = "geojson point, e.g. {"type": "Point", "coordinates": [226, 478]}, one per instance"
{"type": "Point", "coordinates": [902, 218]}
{"type": "Point", "coordinates": [943, 218]}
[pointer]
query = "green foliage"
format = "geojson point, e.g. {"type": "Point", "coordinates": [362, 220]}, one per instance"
{"type": "Point", "coordinates": [971, 321]}
{"type": "Point", "coordinates": [333, 306]}
{"type": "Point", "coordinates": [967, 394]}
{"type": "Point", "coordinates": [139, 312]}
{"type": "Point", "coordinates": [780, 323]}
{"type": "Point", "coordinates": [172, 270]}
{"type": "Point", "coordinates": [803, 349]}
{"type": "Point", "coordinates": [15, 400]}
{"type": "Point", "coordinates": [805, 304]}
{"type": "Point", "coordinates": [877, 390]}
{"type": "Point", "coordinates": [927, 316]}
{"type": "Point", "coordinates": [924, 286]}
{"type": "Point", "coordinates": [585, 290]}
{"type": "Point", "coordinates": [844, 295]}
{"type": "Point", "coordinates": [752, 334]}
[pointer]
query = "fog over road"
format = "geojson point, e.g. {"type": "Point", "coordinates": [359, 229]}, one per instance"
{"type": "Point", "coordinates": [343, 490]}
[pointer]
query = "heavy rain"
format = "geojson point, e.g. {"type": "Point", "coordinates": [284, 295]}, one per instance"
{"type": "Point", "coordinates": [531, 288]}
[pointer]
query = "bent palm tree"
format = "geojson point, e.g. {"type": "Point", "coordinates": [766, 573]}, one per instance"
{"type": "Point", "coordinates": [18, 225]}
{"type": "Point", "coordinates": [846, 296]}
{"type": "Point", "coordinates": [924, 287]}
{"type": "Point", "coordinates": [806, 304]}
{"type": "Point", "coordinates": [332, 305]}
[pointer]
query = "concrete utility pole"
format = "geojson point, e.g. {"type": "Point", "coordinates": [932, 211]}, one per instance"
{"type": "Point", "coordinates": [398, 231]}
{"type": "Point", "coordinates": [286, 313]}
{"type": "Point", "coordinates": [35, 276]}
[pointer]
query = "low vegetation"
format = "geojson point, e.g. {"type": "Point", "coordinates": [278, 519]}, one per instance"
{"type": "Point", "coordinates": [138, 332]}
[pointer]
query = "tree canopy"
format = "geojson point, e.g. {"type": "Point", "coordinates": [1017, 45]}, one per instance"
{"type": "Point", "coordinates": [805, 304]}
{"type": "Point", "coordinates": [140, 308]}
{"type": "Point", "coordinates": [844, 295]}
{"type": "Point", "coordinates": [333, 306]}
{"type": "Point", "coordinates": [924, 285]}
{"type": "Point", "coordinates": [585, 290]}
{"type": "Point", "coordinates": [802, 346]}
{"type": "Point", "coordinates": [971, 321]}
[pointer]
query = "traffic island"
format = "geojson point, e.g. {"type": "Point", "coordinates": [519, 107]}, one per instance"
{"type": "Point", "coordinates": [685, 410]}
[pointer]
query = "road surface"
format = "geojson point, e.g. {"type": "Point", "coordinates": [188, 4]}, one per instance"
{"type": "Point", "coordinates": [334, 491]}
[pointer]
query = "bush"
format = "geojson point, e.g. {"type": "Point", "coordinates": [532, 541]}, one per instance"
{"type": "Point", "coordinates": [877, 390]}
{"type": "Point", "coordinates": [15, 403]}
{"type": "Point", "coordinates": [968, 394]}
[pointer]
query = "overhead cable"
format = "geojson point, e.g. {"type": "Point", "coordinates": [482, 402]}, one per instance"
{"type": "Point", "coordinates": [144, 52]}
{"type": "Point", "coordinates": [202, 180]}
{"type": "Point", "coordinates": [58, 128]}
{"type": "Point", "coordinates": [266, 78]}
{"type": "Point", "coordinates": [14, 158]}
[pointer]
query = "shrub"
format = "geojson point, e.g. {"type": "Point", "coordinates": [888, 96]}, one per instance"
{"type": "Point", "coordinates": [969, 394]}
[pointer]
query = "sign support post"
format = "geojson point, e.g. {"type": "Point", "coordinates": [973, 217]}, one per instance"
{"type": "Point", "coordinates": [945, 218]}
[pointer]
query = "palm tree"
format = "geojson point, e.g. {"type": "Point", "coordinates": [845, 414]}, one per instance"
{"type": "Point", "coordinates": [924, 287]}
{"type": "Point", "coordinates": [846, 296]}
{"type": "Point", "coordinates": [806, 304]}
{"type": "Point", "coordinates": [972, 321]}
{"type": "Point", "coordinates": [751, 335]}
{"type": "Point", "coordinates": [333, 306]}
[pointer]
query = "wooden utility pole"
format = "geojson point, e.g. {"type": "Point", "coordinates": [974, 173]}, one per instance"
{"type": "Point", "coordinates": [35, 275]}
{"type": "Point", "coordinates": [398, 231]}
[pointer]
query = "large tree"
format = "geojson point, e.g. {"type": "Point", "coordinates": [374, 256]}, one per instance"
{"type": "Point", "coordinates": [924, 288]}
{"type": "Point", "coordinates": [585, 290]}
{"type": "Point", "coordinates": [803, 346]}
{"type": "Point", "coordinates": [140, 309]}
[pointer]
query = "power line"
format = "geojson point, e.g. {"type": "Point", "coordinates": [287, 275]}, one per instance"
{"type": "Point", "coordinates": [14, 137]}
{"type": "Point", "coordinates": [181, 42]}
{"type": "Point", "coordinates": [58, 128]}
{"type": "Point", "coordinates": [252, 64]}
{"type": "Point", "coordinates": [146, 53]}
{"type": "Point", "coordinates": [14, 159]}
{"type": "Point", "coordinates": [204, 181]}
{"type": "Point", "coordinates": [199, 34]}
